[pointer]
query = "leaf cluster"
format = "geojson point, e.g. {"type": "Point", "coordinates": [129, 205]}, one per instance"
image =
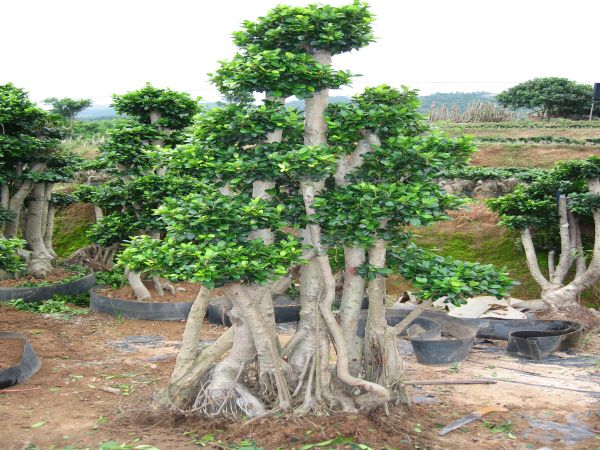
{"type": "Point", "coordinates": [360, 213]}
{"type": "Point", "coordinates": [276, 72]}
{"type": "Point", "coordinates": [9, 260]}
{"type": "Point", "coordinates": [176, 108]}
{"type": "Point", "coordinates": [442, 276]}
{"type": "Point", "coordinates": [309, 28]}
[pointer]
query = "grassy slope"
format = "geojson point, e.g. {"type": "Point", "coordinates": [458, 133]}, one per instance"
{"type": "Point", "coordinates": [474, 236]}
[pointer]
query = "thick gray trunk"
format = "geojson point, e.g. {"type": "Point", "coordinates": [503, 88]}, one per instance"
{"type": "Point", "coordinates": [15, 204]}
{"type": "Point", "coordinates": [40, 263]}
{"type": "Point", "coordinates": [382, 363]}
{"type": "Point", "coordinates": [565, 260]}
{"type": "Point", "coordinates": [315, 127]}
{"type": "Point", "coordinates": [352, 296]}
{"type": "Point", "coordinates": [225, 395]}
{"type": "Point", "coordinates": [189, 368]}
{"type": "Point", "coordinates": [135, 281]}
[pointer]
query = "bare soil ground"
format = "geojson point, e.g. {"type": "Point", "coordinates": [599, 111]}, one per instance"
{"type": "Point", "coordinates": [528, 155]}
{"type": "Point", "coordinates": [98, 374]}
{"type": "Point", "coordinates": [53, 277]}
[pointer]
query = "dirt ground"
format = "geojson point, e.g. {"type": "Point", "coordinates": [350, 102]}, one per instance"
{"type": "Point", "coordinates": [575, 133]}
{"type": "Point", "coordinates": [528, 155]}
{"type": "Point", "coordinates": [98, 374]}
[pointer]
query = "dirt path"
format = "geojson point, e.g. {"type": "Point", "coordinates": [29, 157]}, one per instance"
{"type": "Point", "coordinates": [98, 374]}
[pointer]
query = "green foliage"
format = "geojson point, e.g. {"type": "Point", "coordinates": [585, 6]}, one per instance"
{"type": "Point", "coordinates": [113, 278]}
{"type": "Point", "coordinates": [549, 97]}
{"type": "Point", "coordinates": [6, 216]}
{"type": "Point", "coordinates": [126, 147]}
{"type": "Point", "coordinates": [307, 162]}
{"type": "Point", "coordinates": [208, 241]}
{"type": "Point", "coordinates": [318, 27]}
{"type": "Point", "coordinates": [534, 204]}
{"type": "Point", "coordinates": [28, 135]}
{"type": "Point", "coordinates": [176, 108]}
{"type": "Point", "coordinates": [90, 130]}
{"type": "Point", "coordinates": [56, 305]}
{"type": "Point", "coordinates": [68, 108]}
{"type": "Point", "coordinates": [381, 110]}
{"type": "Point", "coordinates": [412, 159]}
{"type": "Point", "coordinates": [360, 213]}
{"type": "Point", "coordinates": [276, 72]}
{"type": "Point", "coordinates": [437, 276]}
{"type": "Point", "coordinates": [9, 260]}
{"type": "Point", "coordinates": [540, 140]}
{"type": "Point", "coordinates": [134, 155]}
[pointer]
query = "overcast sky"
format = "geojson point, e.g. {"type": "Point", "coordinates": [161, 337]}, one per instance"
{"type": "Point", "coordinates": [94, 48]}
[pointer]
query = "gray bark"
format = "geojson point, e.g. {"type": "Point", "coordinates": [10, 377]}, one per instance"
{"type": "Point", "coordinates": [135, 281]}
{"type": "Point", "coordinates": [40, 263]}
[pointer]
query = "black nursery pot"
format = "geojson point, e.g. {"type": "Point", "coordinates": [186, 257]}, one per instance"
{"type": "Point", "coordinates": [40, 293]}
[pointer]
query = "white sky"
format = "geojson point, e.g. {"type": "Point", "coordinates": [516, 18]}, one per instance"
{"type": "Point", "coordinates": [94, 48]}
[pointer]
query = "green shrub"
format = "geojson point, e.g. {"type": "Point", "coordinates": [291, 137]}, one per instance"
{"type": "Point", "coordinates": [9, 260]}
{"type": "Point", "coordinates": [56, 305]}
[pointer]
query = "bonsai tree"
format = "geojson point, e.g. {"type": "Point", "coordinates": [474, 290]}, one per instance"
{"type": "Point", "coordinates": [549, 97]}
{"type": "Point", "coordinates": [138, 183]}
{"type": "Point", "coordinates": [31, 163]}
{"type": "Point", "coordinates": [558, 203]}
{"type": "Point", "coordinates": [277, 193]}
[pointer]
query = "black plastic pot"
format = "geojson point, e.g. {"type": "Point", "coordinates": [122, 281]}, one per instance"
{"type": "Point", "coordinates": [36, 294]}
{"type": "Point", "coordinates": [21, 372]}
{"type": "Point", "coordinates": [139, 310]}
{"type": "Point", "coordinates": [535, 339]}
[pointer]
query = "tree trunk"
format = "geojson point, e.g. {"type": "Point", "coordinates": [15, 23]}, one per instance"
{"type": "Point", "coordinates": [382, 363]}
{"type": "Point", "coordinates": [49, 232]}
{"type": "Point", "coordinates": [15, 204]}
{"type": "Point", "coordinates": [352, 297]}
{"type": "Point", "coordinates": [135, 281]}
{"type": "Point", "coordinates": [40, 263]}
{"type": "Point", "coordinates": [224, 394]}
{"type": "Point", "coordinates": [191, 366]}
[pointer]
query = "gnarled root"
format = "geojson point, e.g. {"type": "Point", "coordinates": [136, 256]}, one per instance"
{"type": "Point", "coordinates": [222, 393]}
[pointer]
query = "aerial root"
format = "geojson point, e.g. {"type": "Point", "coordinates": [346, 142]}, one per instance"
{"type": "Point", "coordinates": [234, 402]}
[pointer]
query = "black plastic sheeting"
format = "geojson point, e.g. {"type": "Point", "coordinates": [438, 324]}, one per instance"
{"type": "Point", "coordinates": [286, 310]}
{"type": "Point", "coordinates": [36, 294]}
{"type": "Point", "coordinates": [21, 372]}
{"type": "Point", "coordinates": [139, 310]}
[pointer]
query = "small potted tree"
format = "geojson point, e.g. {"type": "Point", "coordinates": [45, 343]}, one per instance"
{"type": "Point", "coordinates": [32, 162]}
{"type": "Point", "coordinates": [138, 182]}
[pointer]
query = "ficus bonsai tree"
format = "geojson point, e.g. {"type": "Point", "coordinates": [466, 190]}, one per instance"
{"type": "Point", "coordinates": [131, 157]}
{"type": "Point", "coordinates": [558, 202]}
{"type": "Point", "coordinates": [280, 191]}
{"type": "Point", "coordinates": [31, 163]}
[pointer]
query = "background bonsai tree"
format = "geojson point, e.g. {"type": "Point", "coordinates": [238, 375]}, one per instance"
{"type": "Point", "coordinates": [279, 192]}
{"type": "Point", "coordinates": [68, 108]}
{"type": "Point", "coordinates": [31, 163]}
{"type": "Point", "coordinates": [558, 203]}
{"type": "Point", "coordinates": [131, 157]}
{"type": "Point", "coordinates": [549, 97]}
